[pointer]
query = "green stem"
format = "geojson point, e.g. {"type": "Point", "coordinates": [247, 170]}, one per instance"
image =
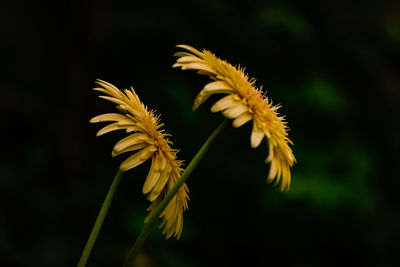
{"type": "Point", "coordinates": [149, 225]}
{"type": "Point", "coordinates": [100, 219]}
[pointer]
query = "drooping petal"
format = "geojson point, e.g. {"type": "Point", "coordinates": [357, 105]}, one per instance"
{"type": "Point", "coordinates": [126, 122]}
{"type": "Point", "coordinates": [162, 163]}
{"type": "Point", "coordinates": [273, 170]}
{"type": "Point", "coordinates": [194, 66]}
{"type": "Point", "coordinates": [109, 128]}
{"type": "Point", "coordinates": [235, 111]}
{"type": "Point", "coordinates": [217, 87]}
{"type": "Point", "coordinates": [171, 212]}
{"type": "Point", "coordinates": [153, 175]}
{"type": "Point", "coordinates": [131, 140]}
{"type": "Point", "coordinates": [211, 88]}
{"type": "Point", "coordinates": [242, 119]}
{"type": "Point", "coordinates": [256, 137]}
{"type": "Point", "coordinates": [178, 224]}
{"type": "Point", "coordinates": [166, 172]}
{"type": "Point", "coordinates": [224, 103]}
{"type": "Point", "coordinates": [267, 133]}
{"type": "Point", "coordinates": [129, 148]}
{"type": "Point", "coordinates": [271, 152]}
{"type": "Point", "coordinates": [108, 117]}
{"type": "Point", "coordinates": [138, 158]}
{"type": "Point", "coordinates": [133, 128]}
{"type": "Point", "coordinates": [160, 183]}
{"type": "Point", "coordinates": [287, 179]}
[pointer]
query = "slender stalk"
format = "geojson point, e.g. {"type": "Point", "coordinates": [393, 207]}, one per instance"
{"type": "Point", "coordinates": [100, 219]}
{"type": "Point", "coordinates": [149, 225]}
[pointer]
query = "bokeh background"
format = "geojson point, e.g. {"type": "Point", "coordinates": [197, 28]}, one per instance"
{"type": "Point", "coordinates": [332, 65]}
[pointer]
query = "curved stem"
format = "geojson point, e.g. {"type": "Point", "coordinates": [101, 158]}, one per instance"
{"type": "Point", "coordinates": [149, 225]}
{"type": "Point", "coordinates": [100, 219]}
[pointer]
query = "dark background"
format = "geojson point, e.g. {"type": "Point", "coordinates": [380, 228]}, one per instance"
{"type": "Point", "coordinates": [333, 65]}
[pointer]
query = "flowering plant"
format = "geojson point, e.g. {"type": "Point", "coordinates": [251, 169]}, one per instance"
{"type": "Point", "coordinates": [165, 183]}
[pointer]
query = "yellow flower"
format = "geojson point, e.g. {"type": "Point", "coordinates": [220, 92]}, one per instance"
{"type": "Point", "coordinates": [244, 102]}
{"type": "Point", "coordinates": [150, 142]}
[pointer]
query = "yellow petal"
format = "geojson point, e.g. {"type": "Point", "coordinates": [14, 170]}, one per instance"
{"type": "Point", "coordinates": [179, 226]}
{"type": "Point", "coordinates": [129, 148]}
{"type": "Point", "coordinates": [127, 122]}
{"type": "Point", "coordinates": [271, 152]}
{"type": "Point", "coordinates": [182, 54]}
{"type": "Point", "coordinates": [132, 95]}
{"type": "Point", "coordinates": [187, 59]}
{"type": "Point", "coordinates": [108, 86]}
{"type": "Point", "coordinates": [194, 66]}
{"type": "Point", "coordinates": [285, 179]}
{"type": "Point", "coordinates": [165, 174]}
{"type": "Point", "coordinates": [176, 65]}
{"type": "Point", "coordinates": [109, 128]}
{"type": "Point", "coordinates": [235, 111]}
{"type": "Point", "coordinates": [217, 87]}
{"type": "Point", "coordinates": [242, 119]}
{"type": "Point", "coordinates": [267, 133]}
{"type": "Point", "coordinates": [279, 173]}
{"type": "Point", "coordinates": [200, 99]}
{"type": "Point", "coordinates": [291, 157]}
{"type": "Point", "coordinates": [138, 158]}
{"type": "Point", "coordinates": [133, 128]}
{"type": "Point", "coordinates": [153, 175]}
{"type": "Point", "coordinates": [132, 111]}
{"type": "Point", "coordinates": [202, 72]}
{"type": "Point", "coordinates": [191, 49]}
{"type": "Point", "coordinates": [103, 91]}
{"type": "Point", "coordinates": [131, 140]}
{"type": "Point", "coordinates": [162, 180]}
{"type": "Point", "coordinates": [273, 170]}
{"type": "Point", "coordinates": [256, 138]}
{"type": "Point", "coordinates": [169, 214]}
{"type": "Point", "coordinates": [108, 117]}
{"type": "Point", "coordinates": [224, 103]}
{"type": "Point", "coordinates": [163, 162]}
{"type": "Point", "coordinates": [113, 99]}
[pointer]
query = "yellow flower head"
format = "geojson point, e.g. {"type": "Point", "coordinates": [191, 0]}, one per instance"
{"type": "Point", "coordinates": [150, 142]}
{"type": "Point", "coordinates": [244, 102]}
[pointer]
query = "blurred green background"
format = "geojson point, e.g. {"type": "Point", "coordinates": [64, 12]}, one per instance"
{"type": "Point", "coordinates": [332, 65]}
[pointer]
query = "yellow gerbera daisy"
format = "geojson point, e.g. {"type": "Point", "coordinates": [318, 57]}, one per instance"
{"type": "Point", "coordinates": [151, 143]}
{"type": "Point", "coordinates": [244, 102]}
